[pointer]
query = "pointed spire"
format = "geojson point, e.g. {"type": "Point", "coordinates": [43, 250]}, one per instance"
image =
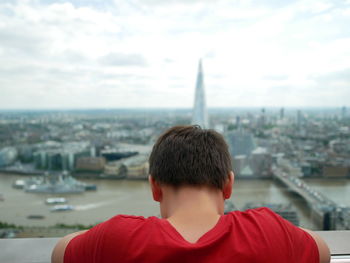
{"type": "Point", "coordinates": [200, 115]}
{"type": "Point", "coordinates": [200, 68]}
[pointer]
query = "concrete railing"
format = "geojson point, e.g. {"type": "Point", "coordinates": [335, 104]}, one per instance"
{"type": "Point", "coordinates": [38, 250]}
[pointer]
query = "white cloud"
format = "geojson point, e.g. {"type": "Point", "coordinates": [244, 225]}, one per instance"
{"type": "Point", "coordinates": [145, 53]}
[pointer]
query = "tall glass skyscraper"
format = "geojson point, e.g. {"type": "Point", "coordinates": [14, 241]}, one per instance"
{"type": "Point", "coordinates": [200, 114]}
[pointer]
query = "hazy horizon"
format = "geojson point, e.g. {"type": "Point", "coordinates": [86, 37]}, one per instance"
{"type": "Point", "coordinates": [254, 108]}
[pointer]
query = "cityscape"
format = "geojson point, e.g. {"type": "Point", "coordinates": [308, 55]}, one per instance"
{"type": "Point", "coordinates": [65, 170]}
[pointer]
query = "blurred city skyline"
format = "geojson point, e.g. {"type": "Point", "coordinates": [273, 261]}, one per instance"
{"type": "Point", "coordinates": [144, 54]}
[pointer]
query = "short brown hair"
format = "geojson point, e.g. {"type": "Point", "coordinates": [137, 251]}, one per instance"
{"type": "Point", "coordinates": [190, 155]}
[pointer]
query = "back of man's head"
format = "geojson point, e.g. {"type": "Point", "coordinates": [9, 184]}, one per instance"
{"type": "Point", "coordinates": [189, 155]}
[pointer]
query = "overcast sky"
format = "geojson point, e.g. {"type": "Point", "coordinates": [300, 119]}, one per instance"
{"type": "Point", "coordinates": [144, 53]}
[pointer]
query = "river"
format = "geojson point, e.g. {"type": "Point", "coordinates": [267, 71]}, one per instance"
{"type": "Point", "coordinates": [134, 197]}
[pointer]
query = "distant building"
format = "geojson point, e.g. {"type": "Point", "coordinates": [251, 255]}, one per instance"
{"type": "Point", "coordinates": [299, 119]}
{"type": "Point", "coordinates": [306, 169]}
{"type": "Point", "coordinates": [282, 113]}
{"type": "Point", "coordinates": [60, 157]}
{"type": "Point", "coordinates": [200, 115]}
{"type": "Point", "coordinates": [115, 170]}
{"type": "Point", "coordinates": [54, 161]}
{"type": "Point", "coordinates": [90, 164]}
{"type": "Point", "coordinates": [114, 155]}
{"type": "Point", "coordinates": [238, 163]}
{"type": "Point", "coordinates": [40, 159]}
{"type": "Point", "coordinates": [261, 161]}
{"type": "Point", "coordinates": [339, 146]}
{"type": "Point", "coordinates": [8, 156]}
{"type": "Point", "coordinates": [93, 151]}
{"type": "Point", "coordinates": [262, 119]}
{"type": "Point", "coordinates": [343, 112]}
{"type": "Point", "coordinates": [238, 122]}
{"type": "Point", "coordinates": [25, 153]}
{"type": "Point", "coordinates": [137, 167]}
{"type": "Point", "coordinates": [330, 170]}
{"type": "Point", "coordinates": [240, 143]}
{"type": "Point", "coordinates": [133, 167]}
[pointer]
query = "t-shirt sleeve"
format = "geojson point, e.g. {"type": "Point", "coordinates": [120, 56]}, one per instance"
{"type": "Point", "coordinates": [86, 247]}
{"type": "Point", "coordinates": [295, 243]}
{"type": "Point", "coordinates": [106, 242]}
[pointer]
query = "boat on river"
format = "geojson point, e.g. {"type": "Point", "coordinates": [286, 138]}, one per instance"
{"type": "Point", "coordinates": [61, 183]}
{"type": "Point", "coordinates": [60, 208]}
{"type": "Point", "coordinates": [19, 184]}
{"type": "Point", "coordinates": [35, 217]}
{"type": "Point", "coordinates": [56, 200]}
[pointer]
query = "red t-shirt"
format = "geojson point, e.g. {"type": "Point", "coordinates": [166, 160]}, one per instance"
{"type": "Point", "coordinates": [256, 235]}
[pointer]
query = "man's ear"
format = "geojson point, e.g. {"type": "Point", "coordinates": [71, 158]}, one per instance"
{"type": "Point", "coordinates": [156, 189]}
{"type": "Point", "coordinates": [227, 191]}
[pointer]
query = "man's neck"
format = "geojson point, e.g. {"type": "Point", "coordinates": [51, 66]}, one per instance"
{"type": "Point", "coordinates": [191, 201]}
{"type": "Point", "coordinates": [192, 210]}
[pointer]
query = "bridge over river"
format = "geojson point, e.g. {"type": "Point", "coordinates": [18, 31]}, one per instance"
{"type": "Point", "coordinates": [330, 215]}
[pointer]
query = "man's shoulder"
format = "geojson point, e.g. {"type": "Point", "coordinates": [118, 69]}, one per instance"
{"type": "Point", "coordinates": [118, 227]}
{"type": "Point", "coordinates": [255, 212]}
{"type": "Point", "coordinates": [127, 217]}
{"type": "Point", "coordinates": [123, 220]}
{"type": "Point", "coordinates": [257, 218]}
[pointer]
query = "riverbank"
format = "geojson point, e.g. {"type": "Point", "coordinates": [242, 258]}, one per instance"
{"type": "Point", "coordinates": [34, 232]}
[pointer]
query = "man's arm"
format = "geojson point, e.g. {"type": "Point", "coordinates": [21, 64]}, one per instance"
{"type": "Point", "coordinates": [323, 249]}
{"type": "Point", "coordinates": [57, 255]}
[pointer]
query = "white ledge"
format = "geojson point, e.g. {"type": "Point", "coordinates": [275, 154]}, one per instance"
{"type": "Point", "coordinates": [38, 250]}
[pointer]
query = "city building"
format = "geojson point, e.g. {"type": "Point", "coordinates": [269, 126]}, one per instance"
{"type": "Point", "coordinates": [240, 142]}
{"type": "Point", "coordinates": [299, 119]}
{"type": "Point", "coordinates": [137, 167]}
{"type": "Point", "coordinates": [90, 164]}
{"type": "Point", "coordinates": [343, 112]}
{"type": "Point", "coordinates": [60, 157]}
{"type": "Point", "coordinates": [115, 154]}
{"type": "Point", "coordinates": [114, 170]}
{"type": "Point", "coordinates": [200, 114]}
{"type": "Point", "coordinates": [239, 162]}
{"type": "Point", "coordinates": [335, 170]}
{"type": "Point", "coordinates": [261, 162]}
{"type": "Point", "coordinates": [262, 118]}
{"type": "Point", "coordinates": [7, 156]}
{"type": "Point", "coordinates": [281, 113]}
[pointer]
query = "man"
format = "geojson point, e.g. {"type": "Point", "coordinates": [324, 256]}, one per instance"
{"type": "Point", "coordinates": [190, 177]}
